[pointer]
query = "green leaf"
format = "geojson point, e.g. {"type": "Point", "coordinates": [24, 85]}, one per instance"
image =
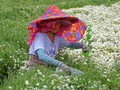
{"type": "Point", "coordinates": [89, 30]}
{"type": "Point", "coordinates": [88, 36]}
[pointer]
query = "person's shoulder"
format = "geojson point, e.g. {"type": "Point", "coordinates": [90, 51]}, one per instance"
{"type": "Point", "coordinates": [40, 34]}
{"type": "Point", "coordinates": [58, 37]}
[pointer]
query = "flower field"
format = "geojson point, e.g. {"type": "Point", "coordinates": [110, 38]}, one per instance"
{"type": "Point", "coordinates": [101, 65]}
{"type": "Point", "coordinates": [105, 25]}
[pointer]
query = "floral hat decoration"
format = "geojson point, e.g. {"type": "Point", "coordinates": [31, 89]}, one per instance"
{"type": "Point", "coordinates": [71, 29]}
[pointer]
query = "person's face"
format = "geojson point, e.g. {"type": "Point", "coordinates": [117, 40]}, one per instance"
{"type": "Point", "coordinates": [57, 26]}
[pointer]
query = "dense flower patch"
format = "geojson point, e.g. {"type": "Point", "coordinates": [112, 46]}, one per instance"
{"type": "Point", "coordinates": [105, 24]}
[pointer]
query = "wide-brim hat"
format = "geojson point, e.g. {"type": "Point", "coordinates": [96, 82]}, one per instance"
{"type": "Point", "coordinates": [71, 29]}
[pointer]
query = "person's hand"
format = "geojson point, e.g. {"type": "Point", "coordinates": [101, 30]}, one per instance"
{"type": "Point", "coordinates": [68, 70]}
{"type": "Point", "coordinates": [64, 68]}
{"type": "Point", "coordinates": [85, 48]}
{"type": "Point", "coordinates": [76, 72]}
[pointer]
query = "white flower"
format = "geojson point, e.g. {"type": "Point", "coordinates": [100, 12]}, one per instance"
{"type": "Point", "coordinates": [66, 85]}
{"type": "Point", "coordinates": [39, 72]}
{"type": "Point", "coordinates": [85, 63]}
{"type": "Point", "coordinates": [78, 86]}
{"type": "Point", "coordinates": [27, 82]}
{"type": "Point", "coordinates": [52, 82]}
{"type": "Point", "coordinates": [89, 81]}
{"type": "Point", "coordinates": [72, 87]}
{"type": "Point", "coordinates": [37, 84]}
{"type": "Point", "coordinates": [54, 88]}
{"type": "Point", "coordinates": [10, 87]}
{"type": "Point", "coordinates": [61, 77]}
{"type": "Point", "coordinates": [22, 74]}
{"type": "Point", "coordinates": [68, 80]}
{"type": "Point", "coordinates": [108, 80]}
{"type": "Point", "coordinates": [59, 87]}
{"type": "Point", "coordinates": [43, 76]}
{"type": "Point", "coordinates": [44, 86]}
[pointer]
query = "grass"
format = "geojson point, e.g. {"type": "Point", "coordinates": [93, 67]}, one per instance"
{"type": "Point", "coordinates": [41, 78]}
{"type": "Point", "coordinates": [15, 15]}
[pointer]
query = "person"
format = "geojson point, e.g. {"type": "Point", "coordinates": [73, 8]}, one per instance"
{"type": "Point", "coordinates": [48, 38]}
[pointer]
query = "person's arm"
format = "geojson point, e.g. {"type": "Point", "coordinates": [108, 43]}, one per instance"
{"type": "Point", "coordinates": [78, 45]}
{"type": "Point", "coordinates": [75, 45]}
{"type": "Point", "coordinates": [45, 58]}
